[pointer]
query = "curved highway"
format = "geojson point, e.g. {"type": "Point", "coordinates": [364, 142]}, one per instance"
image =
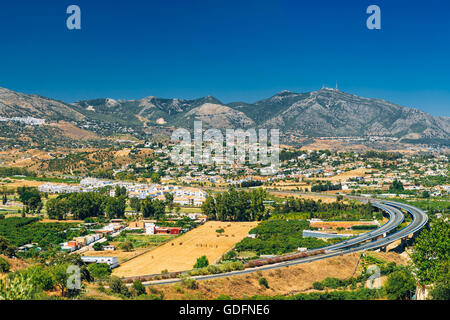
{"type": "Point", "coordinates": [367, 241]}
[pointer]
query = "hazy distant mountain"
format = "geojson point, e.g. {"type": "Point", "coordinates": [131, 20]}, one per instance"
{"type": "Point", "coordinates": [13, 104]}
{"type": "Point", "coordinates": [326, 112]}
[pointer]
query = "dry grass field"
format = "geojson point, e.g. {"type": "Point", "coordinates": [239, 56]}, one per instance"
{"type": "Point", "coordinates": [182, 252]}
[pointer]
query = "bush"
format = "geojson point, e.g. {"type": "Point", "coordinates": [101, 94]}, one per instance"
{"type": "Point", "coordinates": [399, 285]}
{"type": "Point", "coordinates": [41, 277]}
{"type": "Point", "coordinates": [127, 246]}
{"type": "Point", "coordinates": [263, 282]}
{"type": "Point", "coordinates": [117, 286]}
{"type": "Point", "coordinates": [99, 270]}
{"type": "Point", "coordinates": [139, 288]}
{"type": "Point", "coordinates": [98, 246]}
{"type": "Point", "coordinates": [201, 262]}
{"type": "Point", "coordinates": [333, 283]}
{"type": "Point", "coordinates": [190, 283]}
{"type": "Point", "coordinates": [318, 285]}
{"type": "Point", "coordinates": [4, 266]}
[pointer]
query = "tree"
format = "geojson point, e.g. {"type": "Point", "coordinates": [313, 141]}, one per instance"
{"type": "Point", "coordinates": [135, 204]}
{"type": "Point", "coordinates": [4, 265]}
{"type": "Point", "coordinates": [169, 200]}
{"type": "Point", "coordinates": [399, 285]}
{"type": "Point", "coordinates": [201, 262]}
{"type": "Point", "coordinates": [127, 246]}
{"type": "Point", "coordinates": [6, 248]}
{"type": "Point", "coordinates": [60, 276]}
{"type": "Point", "coordinates": [263, 282]}
{"type": "Point", "coordinates": [99, 270]}
{"type": "Point", "coordinates": [425, 194]}
{"type": "Point", "coordinates": [431, 252]}
{"type": "Point", "coordinates": [98, 246]}
{"type": "Point", "coordinates": [57, 208]}
{"type": "Point", "coordinates": [139, 288]}
{"type": "Point", "coordinates": [153, 208]}
{"type": "Point", "coordinates": [115, 206]}
{"type": "Point", "coordinates": [396, 186]}
{"type": "Point", "coordinates": [41, 277]}
{"type": "Point", "coordinates": [117, 286]}
{"type": "Point", "coordinates": [31, 198]}
{"type": "Point", "coordinates": [120, 191]}
{"type": "Point", "coordinates": [155, 177]}
{"type": "Point", "coordinates": [5, 199]}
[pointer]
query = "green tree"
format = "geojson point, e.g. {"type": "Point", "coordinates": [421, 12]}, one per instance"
{"type": "Point", "coordinates": [263, 282]}
{"type": "Point", "coordinates": [201, 262]}
{"type": "Point", "coordinates": [4, 265]}
{"type": "Point", "coordinates": [127, 246]}
{"type": "Point", "coordinates": [5, 199]}
{"type": "Point", "coordinates": [99, 270]}
{"type": "Point", "coordinates": [139, 288]}
{"type": "Point", "coordinates": [431, 253]}
{"type": "Point", "coordinates": [98, 246]}
{"type": "Point", "coordinates": [41, 277]}
{"type": "Point", "coordinates": [115, 206]}
{"type": "Point", "coordinates": [135, 204]}
{"type": "Point", "coordinates": [60, 276]}
{"type": "Point", "coordinates": [169, 201]}
{"type": "Point", "coordinates": [396, 186]}
{"type": "Point", "coordinates": [153, 208]}
{"type": "Point", "coordinates": [117, 286]}
{"type": "Point", "coordinates": [155, 177]}
{"type": "Point", "coordinates": [400, 284]}
{"type": "Point", "coordinates": [120, 191]}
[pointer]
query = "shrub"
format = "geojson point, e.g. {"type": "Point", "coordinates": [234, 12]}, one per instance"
{"type": "Point", "coordinates": [98, 246]}
{"type": "Point", "coordinates": [139, 288]}
{"type": "Point", "coordinates": [201, 262]}
{"type": "Point", "coordinates": [333, 283]}
{"type": "Point", "coordinates": [399, 285]}
{"type": "Point", "coordinates": [190, 283]}
{"type": "Point", "coordinates": [99, 270]}
{"type": "Point", "coordinates": [127, 246]}
{"type": "Point", "coordinates": [4, 266]}
{"type": "Point", "coordinates": [318, 285]}
{"type": "Point", "coordinates": [263, 282]}
{"type": "Point", "coordinates": [117, 286]}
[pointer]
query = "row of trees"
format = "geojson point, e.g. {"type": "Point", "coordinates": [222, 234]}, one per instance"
{"type": "Point", "coordinates": [321, 210]}
{"type": "Point", "coordinates": [236, 206]}
{"type": "Point", "coordinates": [85, 205]}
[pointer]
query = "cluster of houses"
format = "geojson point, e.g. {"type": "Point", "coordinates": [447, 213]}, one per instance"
{"type": "Point", "coordinates": [26, 120]}
{"type": "Point", "coordinates": [152, 229]}
{"type": "Point", "coordinates": [182, 195]}
{"type": "Point", "coordinates": [80, 242]}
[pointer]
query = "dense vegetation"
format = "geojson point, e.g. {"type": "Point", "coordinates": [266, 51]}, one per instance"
{"type": "Point", "coordinates": [278, 237]}
{"type": "Point", "coordinates": [308, 209]}
{"type": "Point", "coordinates": [236, 206]}
{"type": "Point", "coordinates": [21, 231]}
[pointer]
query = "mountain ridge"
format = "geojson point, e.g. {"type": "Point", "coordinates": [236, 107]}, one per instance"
{"type": "Point", "coordinates": [322, 113]}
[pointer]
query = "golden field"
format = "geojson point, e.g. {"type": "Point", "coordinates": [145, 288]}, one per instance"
{"type": "Point", "coordinates": [182, 252]}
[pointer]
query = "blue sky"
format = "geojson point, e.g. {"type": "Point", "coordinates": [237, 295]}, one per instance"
{"type": "Point", "coordinates": [233, 50]}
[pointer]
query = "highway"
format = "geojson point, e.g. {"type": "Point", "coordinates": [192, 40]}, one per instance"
{"type": "Point", "coordinates": [367, 241]}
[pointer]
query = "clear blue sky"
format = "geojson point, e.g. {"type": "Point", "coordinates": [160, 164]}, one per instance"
{"type": "Point", "coordinates": [233, 50]}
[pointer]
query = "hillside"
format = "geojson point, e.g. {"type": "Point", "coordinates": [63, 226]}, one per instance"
{"type": "Point", "coordinates": [322, 113]}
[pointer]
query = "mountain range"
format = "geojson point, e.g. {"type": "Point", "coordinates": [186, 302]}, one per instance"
{"type": "Point", "coordinates": [323, 113]}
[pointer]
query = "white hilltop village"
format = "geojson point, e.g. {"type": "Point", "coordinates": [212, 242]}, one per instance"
{"type": "Point", "coordinates": [182, 195]}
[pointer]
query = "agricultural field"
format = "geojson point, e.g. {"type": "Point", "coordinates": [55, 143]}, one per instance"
{"type": "Point", "coordinates": [182, 252]}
